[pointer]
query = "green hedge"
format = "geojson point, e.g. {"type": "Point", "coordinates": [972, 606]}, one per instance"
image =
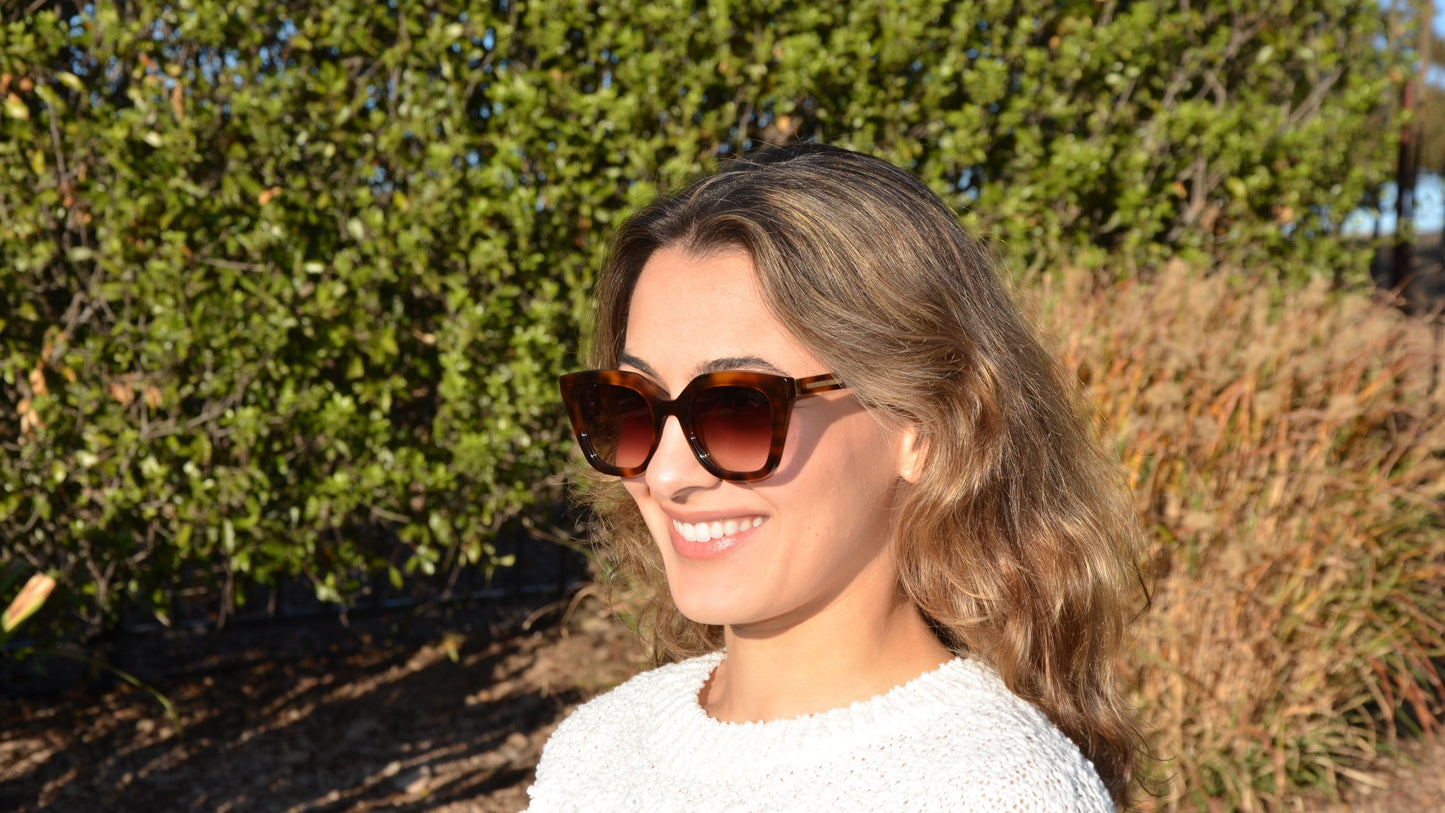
{"type": "Point", "coordinates": [274, 278]}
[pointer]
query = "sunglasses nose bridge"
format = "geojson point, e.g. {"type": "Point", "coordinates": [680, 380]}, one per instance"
{"type": "Point", "coordinates": [666, 412]}
{"type": "Point", "coordinates": [676, 461]}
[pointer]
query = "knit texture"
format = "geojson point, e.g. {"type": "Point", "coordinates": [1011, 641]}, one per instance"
{"type": "Point", "coordinates": [951, 739]}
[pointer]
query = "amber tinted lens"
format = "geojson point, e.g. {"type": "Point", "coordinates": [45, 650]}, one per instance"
{"type": "Point", "coordinates": [619, 424]}
{"type": "Point", "coordinates": [735, 426]}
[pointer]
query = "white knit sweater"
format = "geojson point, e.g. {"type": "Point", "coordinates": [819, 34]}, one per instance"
{"type": "Point", "coordinates": [950, 740]}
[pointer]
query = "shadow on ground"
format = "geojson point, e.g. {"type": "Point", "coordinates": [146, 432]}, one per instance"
{"type": "Point", "coordinates": [456, 723]}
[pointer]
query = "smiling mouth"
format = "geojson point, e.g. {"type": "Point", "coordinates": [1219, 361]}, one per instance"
{"type": "Point", "coordinates": [708, 531]}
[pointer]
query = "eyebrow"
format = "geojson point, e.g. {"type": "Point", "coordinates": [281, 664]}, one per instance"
{"type": "Point", "coordinates": [717, 365]}
{"type": "Point", "coordinates": [634, 361]}
{"type": "Point", "coordinates": [726, 363]}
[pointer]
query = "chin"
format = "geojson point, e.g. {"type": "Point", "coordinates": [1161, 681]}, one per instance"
{"type": "Point", "coordinates": [711, 605]}
{"type": "Point", "coordinates": [706, 612]}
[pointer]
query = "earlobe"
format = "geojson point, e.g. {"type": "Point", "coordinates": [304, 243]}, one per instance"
{"type": "Point", "coordinates": [913, 454]}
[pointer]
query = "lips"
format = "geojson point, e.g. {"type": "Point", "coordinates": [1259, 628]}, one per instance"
{"type": "Point", "coordinates": [713, 538]}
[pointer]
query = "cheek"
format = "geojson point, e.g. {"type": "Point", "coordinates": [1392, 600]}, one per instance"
{"type": "Point", "coordinates": [642, 496]}
{"type": "Point", "coordinates": [855, 451]}
{"type": "Point", "coordinates": [638, 491]}
{"type": "Point", "coordinates": [856, 476]}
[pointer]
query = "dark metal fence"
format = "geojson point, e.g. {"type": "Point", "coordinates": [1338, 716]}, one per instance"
{"type": "Point", "coordinates": [286, 620]}
{"type": "Point", "coordinates": [543, 570]}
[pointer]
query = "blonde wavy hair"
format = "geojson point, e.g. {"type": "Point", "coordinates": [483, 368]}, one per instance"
{"type": "Point", "coordinates": [1017, 543]}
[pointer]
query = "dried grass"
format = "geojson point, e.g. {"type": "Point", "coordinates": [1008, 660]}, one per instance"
{"type": "Point", "coordinates": [1288, 453]}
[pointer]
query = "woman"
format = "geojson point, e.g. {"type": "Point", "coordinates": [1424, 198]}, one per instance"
{"type": "Point", "coordinates": [888, 567]}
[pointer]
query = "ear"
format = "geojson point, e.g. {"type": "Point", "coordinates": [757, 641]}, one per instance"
{"type": "Point", "coordinates": [912, 453]}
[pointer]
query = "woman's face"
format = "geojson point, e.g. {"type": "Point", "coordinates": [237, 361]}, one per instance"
{"type": "Point", "coordinates": [811, 539]}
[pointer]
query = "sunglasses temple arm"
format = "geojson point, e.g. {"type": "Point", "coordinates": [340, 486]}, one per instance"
{"type": "Point", "coordinates": [813, 385]}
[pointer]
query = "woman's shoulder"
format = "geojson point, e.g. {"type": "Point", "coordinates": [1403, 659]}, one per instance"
{"type": "Point", "coordinates": [999, 747]}
{"type": "Point", "coordinates": [659, 690]}
{"type": "Point", "coordinates": [632, 708]}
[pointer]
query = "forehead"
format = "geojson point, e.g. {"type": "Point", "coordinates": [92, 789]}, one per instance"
{"type": "Point", "coordinates": [688, 310]}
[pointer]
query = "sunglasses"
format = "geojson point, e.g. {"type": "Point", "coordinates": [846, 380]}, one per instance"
{"type": "Point", "coordinates": [735, 422]}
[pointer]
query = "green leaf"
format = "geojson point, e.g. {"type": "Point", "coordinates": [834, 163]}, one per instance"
{"type": "Point", "coordinates": [15, 108]}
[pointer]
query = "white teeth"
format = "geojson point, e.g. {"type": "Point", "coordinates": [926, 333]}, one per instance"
{"type": "Point", "coordinates": [706, 531]}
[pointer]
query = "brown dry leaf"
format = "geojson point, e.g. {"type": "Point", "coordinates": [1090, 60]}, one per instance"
{"type": "Point", "coordinates": [152, 396]}
{"type": "Point", "coordinates": [268, 195]}
{"type": "Point", "coordinates": [121, 391]}
{"type": "Point", "coordinates": [29, 419]}
{"type": "Point", "coordinates": [31, 597]}
{"type": "Point", "coordinates": [37, 381]}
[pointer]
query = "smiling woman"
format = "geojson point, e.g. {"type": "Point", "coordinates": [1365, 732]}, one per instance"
{"type": "Point", "coordinates": [890, 569]}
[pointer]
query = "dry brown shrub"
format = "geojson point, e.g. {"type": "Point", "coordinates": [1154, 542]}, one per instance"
{"type": "Point", "coordinates": [1287, 451]}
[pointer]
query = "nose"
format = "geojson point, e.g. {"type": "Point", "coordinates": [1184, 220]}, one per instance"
{"type": "Point", "coordinates": [673, 468]}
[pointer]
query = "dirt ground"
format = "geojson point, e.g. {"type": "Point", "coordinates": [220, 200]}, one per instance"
{"type": "Point", "coordinates": [453, 720]}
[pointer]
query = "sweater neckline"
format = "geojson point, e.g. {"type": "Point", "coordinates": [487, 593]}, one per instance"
{"type": "Point", "coordinates": [910, 706]}
{"type": "Point", "coordinates": [931, 684]}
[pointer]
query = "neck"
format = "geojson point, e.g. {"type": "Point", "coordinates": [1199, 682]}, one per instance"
{"type": "Point", "coordinates": [828, 662]}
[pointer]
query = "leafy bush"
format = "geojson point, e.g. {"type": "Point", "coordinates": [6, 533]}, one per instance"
{"type": "Point", "coordinates": [1289, 454]}
{"type": "Point", "coordinates": [269, 291]}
